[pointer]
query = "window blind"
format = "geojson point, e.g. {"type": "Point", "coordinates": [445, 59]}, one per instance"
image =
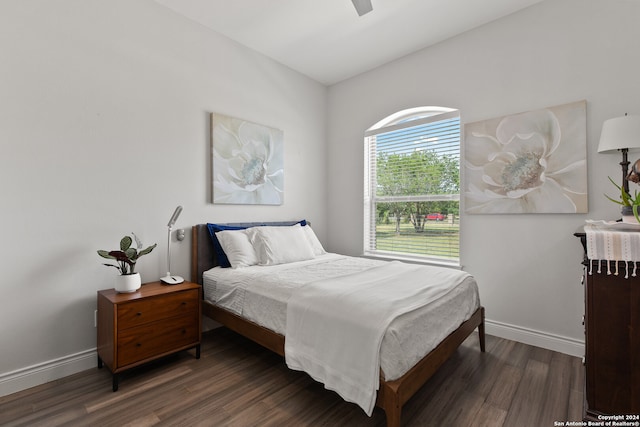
{"type": "Point", "coordinates": [412, 191]}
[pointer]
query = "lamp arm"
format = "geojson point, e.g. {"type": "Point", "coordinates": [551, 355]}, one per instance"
{"type": "Point", "coordinates": [175, 216]}
{"type": "Point", "coordinates": [169, 251]}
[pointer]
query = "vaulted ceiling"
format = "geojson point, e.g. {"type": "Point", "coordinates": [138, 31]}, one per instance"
{"type": "Point", "coordinates": [327, 40]}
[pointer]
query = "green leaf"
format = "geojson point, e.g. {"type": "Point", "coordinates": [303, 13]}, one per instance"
{"type": "Point", "coordinates": [613, 200]}
{"type": "Point", "coordinates": [125, 243]}
{"type": "Point", "coordinates": [105, 254]}
{"type": "Point", "coordinates": [111, 265]}
{"type": "Point", "coordinates": [138, 242]}
{"type": "Point", "coordinates": [624, 196]}
{"type": "Point", "coordinates": [131, 253]}
{"type": "Point", "coordinates": [147, 250]}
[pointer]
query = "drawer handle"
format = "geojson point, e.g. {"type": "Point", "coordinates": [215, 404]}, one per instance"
{"type": "Point", "coordinates": [184, 303]}
{"type": "Point", "coordinates": [138, 345]}
{"type": "Point", "coordinates": [184, 331]}
{"type": "Point", "coordinates": [139, 313]}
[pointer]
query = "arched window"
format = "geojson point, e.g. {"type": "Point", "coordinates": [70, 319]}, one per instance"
{"type": "Point", "coordinates": [412, 185]}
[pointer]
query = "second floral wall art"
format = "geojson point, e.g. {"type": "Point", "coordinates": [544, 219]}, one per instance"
{"type": "Point", "coordinates": [533, 162]}
{"type": "Point", "coordinates": [248, 162]}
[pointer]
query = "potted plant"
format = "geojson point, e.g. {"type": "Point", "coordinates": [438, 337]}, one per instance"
{"type": "Point", "coordinates": [126, 258]}
{"type": "Point", "coordinates": [629, 204]}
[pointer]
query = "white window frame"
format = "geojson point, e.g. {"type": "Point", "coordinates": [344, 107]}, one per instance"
{"type": "Point", "coordinates": [400, 120]}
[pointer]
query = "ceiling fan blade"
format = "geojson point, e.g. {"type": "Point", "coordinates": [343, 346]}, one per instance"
{"type": "Point", "coordinates": [362, 6]}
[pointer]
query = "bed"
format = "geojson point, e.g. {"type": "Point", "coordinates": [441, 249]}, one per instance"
{"type": "Point", "coordinates": [397, 382]}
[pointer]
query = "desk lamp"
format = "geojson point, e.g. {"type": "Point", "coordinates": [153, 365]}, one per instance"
{"type": "Point", "coordinates": [170, 279]}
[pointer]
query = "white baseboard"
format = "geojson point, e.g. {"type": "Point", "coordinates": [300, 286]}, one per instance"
{"type": "Point", "coordinates": [557, 343]}
{"type": "Point", "coordinates": [31, 376]}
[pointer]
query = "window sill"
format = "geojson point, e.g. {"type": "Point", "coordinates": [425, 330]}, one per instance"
{"type": "Point", "coordinates": [413, 259]}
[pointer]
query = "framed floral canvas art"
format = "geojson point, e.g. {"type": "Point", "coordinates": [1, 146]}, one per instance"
{"type": "Point", "coordinates": [248, 164]}
{"type": "Point", "coordinates": [533, 162]}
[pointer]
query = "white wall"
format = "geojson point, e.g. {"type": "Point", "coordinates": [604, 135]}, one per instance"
{"type": "Point", "coordinates": [555, 52]}
{"type": "Point", "coordinates": [104, 130]}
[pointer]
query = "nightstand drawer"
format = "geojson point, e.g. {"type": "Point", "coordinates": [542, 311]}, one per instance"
{"type": "Point", "coordinates": [160, 307]}
{"type": "Point", "coordinates": [135, 344]}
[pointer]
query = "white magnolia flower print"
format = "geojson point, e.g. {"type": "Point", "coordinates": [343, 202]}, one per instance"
{"type": "Point", "coordinates": [532, 162]}
{"type": "Point", "coordinates": [247, 162]}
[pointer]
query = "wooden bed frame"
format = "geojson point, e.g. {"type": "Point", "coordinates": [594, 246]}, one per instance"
{"type": "Point", "coordinates": [392, 395]}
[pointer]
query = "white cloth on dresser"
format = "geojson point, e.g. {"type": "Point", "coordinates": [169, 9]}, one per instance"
{"type": "Point", "coordinates": [610, 245]}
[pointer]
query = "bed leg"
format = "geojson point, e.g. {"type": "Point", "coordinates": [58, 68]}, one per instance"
{"type": "Point", "coordinates": [393, 416]}
{"type": "Point", "coordinates": [481, 331]}
{"type": "Point", "coordinates": [392, 407]}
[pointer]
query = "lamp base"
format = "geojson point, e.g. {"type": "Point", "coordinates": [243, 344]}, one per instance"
{"type": "Point", "coordinates": [171, 279]}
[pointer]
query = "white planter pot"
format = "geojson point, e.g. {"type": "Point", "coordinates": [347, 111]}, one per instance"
{"type": "Point", "coordinates": [127, 283]}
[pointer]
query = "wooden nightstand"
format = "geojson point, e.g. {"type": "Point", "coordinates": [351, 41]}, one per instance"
{"type": "Point", "coordinates": [142, 326]}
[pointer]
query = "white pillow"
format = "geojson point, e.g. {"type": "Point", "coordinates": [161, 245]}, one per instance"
{"type": "Point", "coordinates": [313, 241]}
{"type": "Point", "coordinates": [280, 244]}
{"type": "Point", "coordinates": [238, 248]}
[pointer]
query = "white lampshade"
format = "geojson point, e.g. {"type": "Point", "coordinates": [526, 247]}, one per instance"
{"type": "Point", "coordinates": [619, 133]}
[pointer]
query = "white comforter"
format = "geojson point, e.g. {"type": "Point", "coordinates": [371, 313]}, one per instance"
{"type": "Point", "coordinates": [360, 306]}
{"type": "Point", "coordinates": [261, 295]}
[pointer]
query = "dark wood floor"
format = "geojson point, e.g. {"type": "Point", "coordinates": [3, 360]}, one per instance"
{"type": "Point", "coordinates": [238, 383]}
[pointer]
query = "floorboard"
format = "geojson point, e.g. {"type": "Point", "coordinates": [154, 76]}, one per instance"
{"type": "Point", "coordinates": [237, 383]}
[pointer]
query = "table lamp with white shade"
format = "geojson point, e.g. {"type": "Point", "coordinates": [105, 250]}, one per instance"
{"type": "Point", "coordinates": [620, 134]}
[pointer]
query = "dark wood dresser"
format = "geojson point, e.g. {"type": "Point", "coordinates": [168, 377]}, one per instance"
{"type": "Point", "coordinates": [145, 325]}
{"type": "Point", "coordinates": [612, 338]}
